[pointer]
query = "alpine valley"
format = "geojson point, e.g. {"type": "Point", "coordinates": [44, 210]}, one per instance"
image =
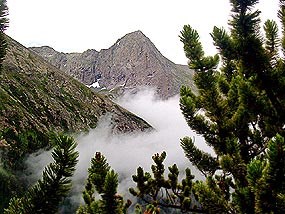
{"type": "Point", "coordinates": [44, 92]}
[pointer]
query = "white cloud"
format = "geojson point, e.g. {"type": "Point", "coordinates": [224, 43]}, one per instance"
{"type": "Point", "coordinates": [126, 152]}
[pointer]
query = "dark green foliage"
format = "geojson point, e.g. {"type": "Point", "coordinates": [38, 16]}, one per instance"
{"type": "Point", "coordinates": [9, 187]}
{"type": "Point", "coordinates": [281, 16]}
{"type": "Point", "coordinates": [266, 178]}
{"type": "Point", "coordinates": [98, 171]}
{"type": "Point", "coordinates": [105, 181]}
{"type": "Point", "coordinates": [272, 39]}
{"type": "Point", "coordinates": [21, 144]}
{"type": "Point", "coordinates": [110, 200]}
{"type": "Point", "coordinates": [239, 110]}
{"type": "Point", "coordinates": [14, 147]}
{"type": "Point", "coordinates": [164, 193]}
{"type": "Point", "coordinates": [149, 209]}
{"type": "Point", "coordinates": [203, 161]}
{"type": "Point", "coordinates": [55, 184]}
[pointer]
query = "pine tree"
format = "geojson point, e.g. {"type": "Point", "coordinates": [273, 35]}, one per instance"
{"type": "Point", "coordinates": [55, 184]}
{"type": "Point", "coordinates": [240, 112]}
{"type": "Point", "coordinates": [158, 192]}
{"type": "Point", "coordinates": [3, 25]}
{"type": "Point", "coordinates": [104, 180]}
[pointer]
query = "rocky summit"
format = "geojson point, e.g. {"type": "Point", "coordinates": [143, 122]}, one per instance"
{"type": "Point", "coordinates": [132, 62]}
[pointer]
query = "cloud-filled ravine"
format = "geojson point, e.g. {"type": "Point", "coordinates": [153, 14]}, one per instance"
{"type": "Point", "coordinates": [126, 152]}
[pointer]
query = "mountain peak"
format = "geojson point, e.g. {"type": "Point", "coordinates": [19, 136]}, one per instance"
{"type": "Point", "coordinates": [136, 36]}
{"type": "Point", "coordinates": [132, 62]}
{"type": "Point", "coordinates": [137, 32]}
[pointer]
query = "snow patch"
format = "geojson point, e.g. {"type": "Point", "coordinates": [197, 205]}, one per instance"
{"type": "Point", "coordinates": [94, 84]}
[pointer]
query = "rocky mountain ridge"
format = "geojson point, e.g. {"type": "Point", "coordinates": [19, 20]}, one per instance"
{"type": "Point", "coordinates": [35, 95]}
{"type": "Point", "coordinates": [132, 62]}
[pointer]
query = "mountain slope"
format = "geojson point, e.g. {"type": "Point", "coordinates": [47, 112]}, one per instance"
{"type": "Point", "coordinates": [132, 62]}
{"type": "Point", "coordinates": [36, 95]}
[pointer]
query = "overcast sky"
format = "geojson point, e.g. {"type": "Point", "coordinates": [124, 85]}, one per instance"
{"type": "Point", "coordinates": [74, 26]}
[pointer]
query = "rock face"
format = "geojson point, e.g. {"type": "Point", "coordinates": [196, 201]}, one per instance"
{"type": "Point", "coordinates": [78, 65]}
{"type": "Point", "coordinates": [132, 62]}
{"type": "Point", "coordinates": [36, 95]}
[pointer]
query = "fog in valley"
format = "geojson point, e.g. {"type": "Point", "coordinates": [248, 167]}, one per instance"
{"type": "Point", "coordinates": [126, 152]}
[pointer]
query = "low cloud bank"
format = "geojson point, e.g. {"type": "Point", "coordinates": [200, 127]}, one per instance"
{"type": "Point", "coordinates": [126, 152]}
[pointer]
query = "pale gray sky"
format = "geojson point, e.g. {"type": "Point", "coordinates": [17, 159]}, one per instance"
{"type": "Point", "coordinates": [74, 26]}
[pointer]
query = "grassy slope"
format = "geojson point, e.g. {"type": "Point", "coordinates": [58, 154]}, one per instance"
{"type": "Point", "coordinates": [36, 95]}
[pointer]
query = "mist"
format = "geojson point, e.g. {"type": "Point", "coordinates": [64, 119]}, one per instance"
{"type": "Point", "coordinates": [126, 152]}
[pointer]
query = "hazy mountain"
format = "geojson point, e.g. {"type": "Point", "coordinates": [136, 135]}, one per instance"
{"type": "Point", "coordinates": [36, 95]}
{"type": "Point", "coordinates": [132, 62]}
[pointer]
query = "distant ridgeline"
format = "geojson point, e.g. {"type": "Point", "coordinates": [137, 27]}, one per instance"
{"type": "Point", "coordinates": [132, 62]}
